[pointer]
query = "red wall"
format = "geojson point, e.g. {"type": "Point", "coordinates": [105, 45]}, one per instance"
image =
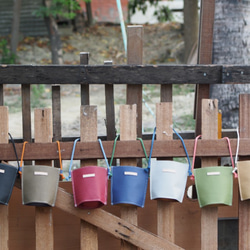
{"type": "Point", "coordinates": [106, 11]}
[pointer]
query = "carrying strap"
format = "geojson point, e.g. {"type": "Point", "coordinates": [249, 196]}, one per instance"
{"type": "Point", "coordinates": [113, 152]}
{"type": "Point", "coordinates": [185, 149]}
{"type": "Point", "coordinates": [237, 151]}
{"type": "Point", "coordinates": [105, 157]}
{"type": "Point", "coordinates": [14, 146]}
{"type": "Point", "coordinates": [60, 160]}
{"type": "Point", "coordinates": [230, 152]}
{"type": "Point", "coordinates": [21, 160]}
{"type": "Point", "coordinates": [183, 144]}
{"type": "Point", "coordinates": [151, 149]}
{"type": "Point", "coordinates": [71, 159]}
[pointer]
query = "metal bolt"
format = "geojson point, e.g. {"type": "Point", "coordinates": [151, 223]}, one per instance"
{"type": "Point", "coordinates": [242, 72]}
{"type": "Point", "coordinates": [205, 74]}
{"type": "Point", "coordinates": [227, 74]}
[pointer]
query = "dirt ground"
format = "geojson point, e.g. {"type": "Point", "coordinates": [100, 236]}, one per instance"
{"type": "Point", "coordinates": [163, 44]}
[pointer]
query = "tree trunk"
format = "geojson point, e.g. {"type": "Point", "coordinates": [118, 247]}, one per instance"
{"type": "Point", "coordinates": [191, 23]}
{"type": "Point", "coordinates": [230, 46]}
{"type": "Point", "coordinates": [89, 14]}
{"type": "Point", "coordinates": [15, 25]}
{"type": "Point", "coordinates": [55, 40]}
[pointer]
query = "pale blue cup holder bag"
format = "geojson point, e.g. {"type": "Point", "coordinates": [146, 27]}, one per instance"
{"type": "Point", "coordinates": [168, 178]}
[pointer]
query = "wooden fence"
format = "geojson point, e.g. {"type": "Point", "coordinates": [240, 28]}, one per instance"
{"type": "Point", "coordinates": [160, 224]}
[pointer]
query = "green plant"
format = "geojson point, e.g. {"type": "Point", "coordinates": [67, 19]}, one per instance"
{"type": "Point", "coordinates": [62, 8]}
{"type": "Point", "coordinates": [7, 56]}
{"type": "Point", "coordinates": [38, 96]}
{"type": "Point", "coordinates": [183, 89]}
{"type": "Point", "coordinates": [163, 14]}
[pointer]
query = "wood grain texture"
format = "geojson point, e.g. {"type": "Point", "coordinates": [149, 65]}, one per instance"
{"type": "Point", "coordinates": [43, 215]}
{"type": "Point", "coordinates": [209, 215]}
{"type": "Point", "coordinates": [84, 60]}
{"type": "Point", "coordinates": [165, 210]}
{"type": "Point", "coordinates": [88, 131]}
{"type": "Point", "coordinates": [114, 225]}
{"type": "Point", "coordinates": [115, 74]}
{"type": "Point", "coordinates": [124, 149]}
{"type": "Point", "coordinates": [128, 129]}
{"type": "Point", "coordinates": [110, 109]}
{"type": "Point", "coordinates": [4, 210]}
{"type": "Point", "coordinates": [244, 206]}
{"type": "Point", "coordinates": [134, 57]}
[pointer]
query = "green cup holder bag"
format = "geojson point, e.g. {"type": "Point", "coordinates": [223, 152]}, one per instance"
{"type": "Point", "coordinates": [214, 185]}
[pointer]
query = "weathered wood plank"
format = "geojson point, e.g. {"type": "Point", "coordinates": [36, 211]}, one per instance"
{"type": "Point", "coordinates": [244, 206]}
{"type": "Point", "coordinates": [165, 209]}
{"type": "Point", "coordinates": [4, 210]}
{"type": "Point", "coordinates": [209, 215]}
{"type": "Point", "coordinates": [88, 131]}
{"type": "Point", "coordinates": [128, 132]}
{"type": "Point", "coordinates": [84, 60]}
{"type": "Point", "coordinates": [110, 109]}
{"type": "Point", "coordinates": [115, 74]}
{"type": "Point", "coordinates": [43, 215]}
{"type": "Point", "coordinates": [113, 225]}
{"type": "Point", "coordinates": [56, 112]}
{"type": "Point", "coordinates": [135, 57]}
{"type": "Point", "coordinates": [26, 114]}
{"type": "Point", "coordinates": [204, 54]}
{"type": "Point", "coordinates": [124, 149]}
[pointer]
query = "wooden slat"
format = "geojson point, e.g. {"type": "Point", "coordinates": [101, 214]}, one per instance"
{"type": "Point", "coordinates": [88, 131]}
{"type": "Point", "coordinates": [110, 109]}
{"type": "Point", "coordinates": [115, 226]}
{"type": "Point", "coordinates": [124, 149]}
{"type": "Point", "coordinates": [1, 95]}
{"type": "Point", "coordinates": [209, 215]}
{"type": "Point", "coordinates": [244, 206]}
{"type": "Point", "coordinates": [166, 93]}
{"type": "Point", "coordinates": [115, 74]}
{"type": "Point", "coordinates": [4, 210]}
{"type": "Point", "coordinates": [128, 132]}
{"type": "Point", "coordinates": [84, 60]}
{"type": "Point", "coordinates": [135, 56]}
{"type": "Point", "coordinates": [26, 113]}
{"type": "Point", "coordinates": [43, 215]}
{"type": "Point", "coordinates": [165, 211]}
{"type": "Point", "coordinates": [204, 54]}
{"type": "Point", "coordinates": [56, 111]}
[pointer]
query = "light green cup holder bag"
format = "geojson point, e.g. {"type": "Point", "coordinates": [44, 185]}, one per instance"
{"type": "Point", "coordinates": [168, 178]}
{"type": "Point", "coordinates": [40, 184]}
{"type": "Point", "coordinates": [214, 185]}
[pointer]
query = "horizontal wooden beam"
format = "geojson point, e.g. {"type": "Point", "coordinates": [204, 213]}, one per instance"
{"type": "Point", "coordinates": [114, 74]}
{"type": "Point", "coordinates": [113, 224]}
{"type": "Point", "coordinates": [124, 149]}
